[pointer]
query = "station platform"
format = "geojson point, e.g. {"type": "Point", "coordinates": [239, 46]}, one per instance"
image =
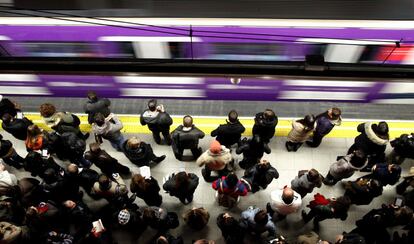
{"type": "Point", "coordinates": [287, 163]}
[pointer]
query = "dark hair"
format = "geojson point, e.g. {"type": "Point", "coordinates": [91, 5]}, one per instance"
{"type": "Point", "coordinates": [314, 176]}
{"type": "Point", "coordinates": [233, 116]}
{"type": "Point", "coordinates": [138, 182]}
{"type": "Point", "coordinates": [148, 214]}
{"type": "Point", "coordinates": [226, 221]}
{"type": "Point", "coordinates": [104, 182]}
{"type": "Point", "coordinates": [47, 110]}
{"type": "Point", "coordinates": [261, 217]}
{"type": "Point", "coordinates": [33, 130]}
{"type": "Point", "coordinates": [309, 121]}
{"type": "Point", "coordinates": [358, 158]}
{"type": "Point", "coordinates": [231, 180]}
{"type": "Point", "coordinates": [99, 119]}
{"type": "Point", "coordinates": [188, 121]}
{"type": "Point", "coordinates": [403, 215]}
{"type": "Point", "coordinates": [92, 94]}
{"type": "Point", "coordinates": [94, 147]}
{"type": "Point", "coordinates": [182, 180]}
{"type": "Point", "coordinates": [288, 198]}
{"type": "Point", "coordinates": [50, 175]}
{"type": "Point", "coordinates": [6, 118]}
{"type": "Point", "coordinates": [335, 113]}
{"type": "Point", "coordinates": [152, 104]}
{"type": "Point", "coordinates": [341, 205]}
{"type": "Point", "coordinates": [196, 218]}
{"type": "Point", "coordinates": [268, 114]}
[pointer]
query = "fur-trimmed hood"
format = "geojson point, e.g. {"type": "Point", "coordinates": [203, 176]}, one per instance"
{"type": "Point", "coordinates": [372, 136]}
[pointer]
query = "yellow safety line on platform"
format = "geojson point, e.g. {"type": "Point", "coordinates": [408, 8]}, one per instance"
{"type": "Point", "coordinates": [207, 124]}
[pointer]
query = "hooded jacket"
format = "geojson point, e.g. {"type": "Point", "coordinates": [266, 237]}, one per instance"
{"type": "Point", "coordinates": [228, 134]}
{"type": "Point", "coordinates": [324, 125]}
{"type": "Point", "coordinates": [343, 168]}
{"type": "Point", "coordinates": [7, 106]}
{"type": "Point", "coordinates": [215, 161]}
{"type": "Point", "coordinates": [368, 141]}
{"type": "Point", "coordinates": [140, 156]}
{"type": "Point", "coordinates": [99, 106]}
{"type": "Point", "coordinates": [299, 133]}
{"type": "Point", "coordinates": [264, 128]}
{"type": "Point", "coordinates": [17, 127]}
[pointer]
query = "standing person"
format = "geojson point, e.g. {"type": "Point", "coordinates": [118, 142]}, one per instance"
{"type": "Point", "coordinates": [158, 121]}
{"type": "Point", "coordinates": [107, 164]}
{"type": "Point", "coordinates": [306, 181]}
{"type": "Point", "coordinates": [9, 154]}
{"type": "Point", "coordinates": [257, 221]}
{"type": "Point", "coordinates": [7, 106]}
{"type": "Point", "coordinates": [96, 105]}
{"type": "Point", "coordinates": [36, 139]}
{"type": "Point", "coordinates": [182, 185]}
{"type": "Point", "coordinates": [16, 127]}
{"type": "Point", "coordinates": [230, 133]}
{"type": "Point", "coordinates": [229, 189]}
{"type": "Point", "coordinates": [284, 202]}
{"type": "Point", "coordinates": [75, 148]}
{"type": "Point", "coordinates": [253, 150]}
{"type": "Point", "coordinates": [140, 153]}
{"type": "Point", "coordinates": [372, 141]}
{"type": "Point", "coordinates": [300, 132]}
{"type": "Point", "coordinates": [109, 128]}
{"type": "Point", "coordinates": [345, 167]}
{"type": "Point", "coordinates": [186, 136]}
{"type": "Point", "coordinates": [230, 228]}
{"type": "Point", "coordinates": [217, 159]}
{"type": "Point", "coordinates": [147, 189]}
{"type": "Point", "coordinates": [386, 174]}
{"type": "Point", "coordinates": [159, 219]}
{"type": "Point", "coordinates": [363, 190]}
{"type": "Point", "coordinates": [196, 218]}
{"type": "Point", "coordinates": [260, 175]}
{"type": "Point", "coordinates": [86, 178]}
{"type": "Point", "coordinates": [110, 189]}
{"type": "Point", "coordinates": [265, 125]}
{"type": "Point", "coordinates": [403, 147]}
{"type": "Point", "coordinates": [325, 122]}
{"type": "Point", "coordinates": [322, 208]}
{"type": "Point", "coordinates": [61, 122]}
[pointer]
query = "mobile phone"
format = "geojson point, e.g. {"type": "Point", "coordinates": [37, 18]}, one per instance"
{"type": "Point", "coordinates": [398, 202]}
{"type": "Point", "coordinates": [45, 153]}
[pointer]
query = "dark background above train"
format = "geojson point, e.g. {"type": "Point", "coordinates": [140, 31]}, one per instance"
{"type": "Point", "coordinates": [299, 9]}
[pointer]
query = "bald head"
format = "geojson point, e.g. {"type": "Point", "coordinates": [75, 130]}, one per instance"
{"type": "Point", "coordinates": [72, 169]}
{"type": "Point", "coordinates": [287, 195]}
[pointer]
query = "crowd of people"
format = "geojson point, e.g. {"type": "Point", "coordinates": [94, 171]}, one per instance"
{"type": "Point", "coordinates": [48, 207]}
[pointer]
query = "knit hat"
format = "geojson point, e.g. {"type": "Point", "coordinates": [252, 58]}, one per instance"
{"type": "Point", "coordinates": [215, 147]}
{"type": "Point", "coordinates": [123, 217]}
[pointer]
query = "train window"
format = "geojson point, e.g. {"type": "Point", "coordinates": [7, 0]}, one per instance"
{"type": "Point", "coordinates": [123, 50]}
{"type": "Point", "coordinates": [57, 49]}
{"type": "Point", "coordinates": [177, 49]}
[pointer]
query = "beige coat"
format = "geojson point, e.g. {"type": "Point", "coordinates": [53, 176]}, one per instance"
{"type": "Point", "coordinates": [117, 188]}
{"type": "Point", "coordinates": [298, 133]}
{"type": "Point", "coordinates": [215, 161]}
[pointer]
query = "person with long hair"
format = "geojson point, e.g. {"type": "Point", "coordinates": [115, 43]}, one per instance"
{"type": "Point", "coordinates": [300, 132]}
{"type": "Point", "coordinates": [147, 189]}
{"type": "Point", "coordinates": [182, 185]}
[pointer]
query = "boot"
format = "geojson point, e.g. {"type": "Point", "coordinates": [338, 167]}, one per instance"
{"type": "Point", "coordinates": [159, 159]}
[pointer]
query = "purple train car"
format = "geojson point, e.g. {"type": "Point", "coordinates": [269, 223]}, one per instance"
{"type": "Point", "coordinates": [218, 39]}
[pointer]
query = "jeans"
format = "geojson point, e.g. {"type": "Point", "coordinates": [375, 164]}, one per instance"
{"type": "Point", "coordinates": [117, 142]}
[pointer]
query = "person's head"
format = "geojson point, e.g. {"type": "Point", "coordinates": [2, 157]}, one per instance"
{"type": "Point", "coordinates": [148, 214]}
{"type": "Point", "coordinates": [99, 119]}
{"type": "Point", "coordinates": [381, 130]}
{"type": "Point", "coordinates": [314, 176]}
{"type": "Point", "coordinates": [196, 219]}
{"type": "Point", "coordinates": [92, 96]}
{"type": "Point", "coordinates": [187, 121]}
{"type": "Point", "coordinates": [403, 215]}
{"type": "Point", "coordinates": [374, 185]}
{"type": "Point", "coordinates": [138, 182]}
{"type": "Point", "coordinates": [50, 175]}
{"type": "Point", "coordinates": [94, 147]}
{"type": "Point", "coordinates": [268, 114]}
{"type": "Point", "coordinates": [334, 113]}
{"type": "Point", "coordinates": [123, 217]}
{"type": "Point", "coordinates": [394, 169]}
{"type": "Point", "coordinates": [104, 182]}
{"type": "Point", "coordinates": [287, 195]}
{"type": "Point", "coordinates": [233, 116]}
{"type": "Point", "coordinates": [33, 131]}
{"type": "Point", "coordinates": [358, 158]}
{"type": "Point", "coordinates": [72, 169]}
{"type": "Point", "coordinates": [152, 105]}
{"type": "Point", "coordinates": [263, 164]}
{"type": "Point", "coordinates": [215, 147]}
{"type": "Point", "coordinates": [226, 219]}
{"type": "Point", "coordinates": [69, 204]}
{"type": "Point", "coordinates": [47, 110]}
{"type": "Point", "coordinates": [341, 204]}
{"type": "Point", "coordinates": [231, 180]}
{"type": "Point", "coordinates": [7, 118]}
{"type": "Point", "coordinates": [261, 217]}
{"type": "Point", "coordinates": [182, 180]}
{"type": "Point", "coordinates": [161, 240]}
{"type": "Point", "coordinates": [133, 142]}
{"type": "Point", "coordinates": [309, 121]}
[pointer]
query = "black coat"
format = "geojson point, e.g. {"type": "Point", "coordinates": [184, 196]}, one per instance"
{"type": "Point", "coordinates": [94, 107]}
{"type": "Point", "coordinates": [259, 177]}
{"type": "Point", "coordinates": [140, 156]}
{"type": "Point", "coordinates": [228, 134]}
{"type": "Point", "coordinates": [107, 164]}
{"type": "Point", "coordinates": [37, 165]}
{"type": "Point", "coordinates": [361, 194]}
{"type": "Point", "coordinates": [17, 127]}
{"type": "Point", "coordinates": [181, 193]}
{"type": "Point", "coordinates": [151, 194]}
{"type": "Point", "coordinates": [369, 143]}
{"type": "Point", "coordinates": [252, 150]}
{"type": "Point", "coordinates": [264, 128]}
{"type": "Point", "coordinates": [5, 147]}
{"type": "Point", "coordinates": [186, 139]}
{"type": "Point", "coordinates": [75, 147]}
{"type": "Point", "coordinates": [6, 106]}
{"type": "Point", "coordinates": [404, 145]}
{"type": "Point", "coordinates": [233, 232]}
{"type": "Point", "coordinates": [158, 123]}
{"type": "Point", "coordinates": [87, 178]}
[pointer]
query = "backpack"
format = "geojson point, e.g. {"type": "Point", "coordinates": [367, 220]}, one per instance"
{"type": "Point", "coordinates": [226, 200]}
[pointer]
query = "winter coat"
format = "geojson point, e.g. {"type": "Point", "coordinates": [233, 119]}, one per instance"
{"type": "Point", "coordinates": [110, 130]}
{"type": "Point", "coordinates": [140, 156]}
{"type": "Point", "coordinates": [117, 188]}
{"type": "Point", "coordinates": [220, 185]}
{"type": "Point", "coordinates": [6, 148]}
{"type": "Point", "coordinates": [37, 165]}
{"type": "Point", "coordinates": [151, 194]}
{"type": "Point", "coordinates": [369, 142]}
{"type": "Point", "coordinates": [107, 164]}
{"type": "Point", "coordinates": [87, 178]}
{"type": "Point", "coordinates": [299, 133]}
{"type": "Point", "coordinates": [7, 107]}
{"type": "Point", "coordinates": [186, 139]}
{"type": "Point", "coordinates": [381, 173]}
{"type": "Point", "coordinates": [232, 233]}
{"type": "Point", "coordinates": [228, 134]}
{"type": "Point", "coordinates": [404, 145]}
{"type": "Point", "coordinates": [252, 151]}
{"type": "Point", "coordinates": [264, 128]}
{"type": "Point", "coordinates": [159, 222]}
{"type": "Point", "coordinates": [360, 193]}
{"type": "Point", "coordinates": [156, 120]}
{"type": "Point", "coordinates": [279, 206]}
{"type": "Point", "coordinates": [79, 215]}
{"type": "Point", "coordinates": [17, 127]}
{"type": "Point", "coordinates": [258, 177]}
{"type": "Point", "coordinates": [247, 221]}
{"type": "Point", "coordinates": [343, 168]}
{"type": "Point", "coordinates": [94, 107]}
{"type": "Point", "coordinates": [63, 122]}
{"type": "Point", "coordinates": [324, 125]}
{"type": "Point", "coordinates": [181, 193]}
{"type": "Point", "coordinates": [73, 144]}
{"type": "Point", "coordinates": [37, 143]}
{"type": "Point", "coordinates": [215, 161]}
{"type": "Point", "coordinates": [302, 185]}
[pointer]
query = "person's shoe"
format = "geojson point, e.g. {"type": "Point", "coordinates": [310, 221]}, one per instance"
{"type": "Point", "coordinates": [159, 159]}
